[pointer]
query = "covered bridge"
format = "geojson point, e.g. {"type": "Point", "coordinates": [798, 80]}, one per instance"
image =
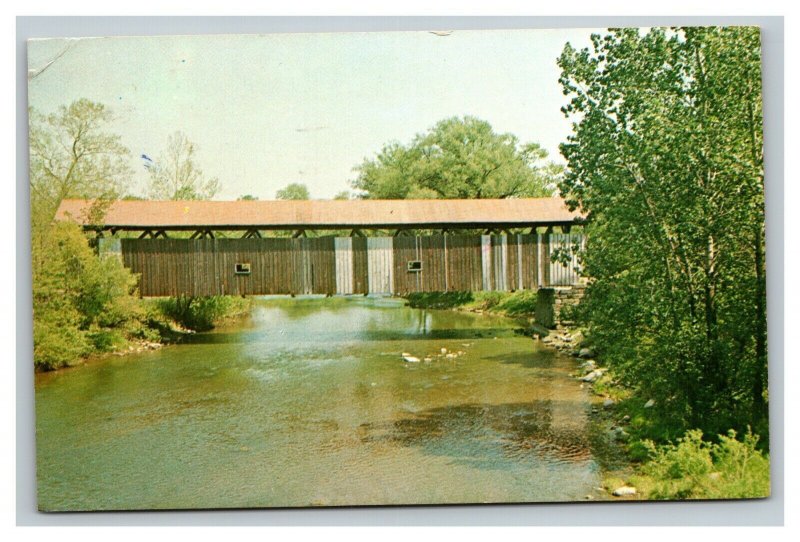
{"type": "Point", "coordinates": [371, 246]}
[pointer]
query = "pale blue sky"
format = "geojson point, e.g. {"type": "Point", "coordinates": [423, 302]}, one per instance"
{"type": "Point", "coordinates": [269, 110]}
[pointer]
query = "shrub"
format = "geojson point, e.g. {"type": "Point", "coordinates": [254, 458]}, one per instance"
{"type": "Point", "coordinates": [58, 340]}
{"type": "Point", "coordinates": [106, 340]}
{"type": "Point", "coordinates": [201, 313]}
{"type": "Point", "coordinates": [79, 299]}
{"type": "Point", "coordinates": [488, 300]}
{"type": "Point", "coordinates": [518, 303]}
{"type": "Point", "coordinates": [438, 300]}
{"type": "Point", "coordinates": [698, 469]}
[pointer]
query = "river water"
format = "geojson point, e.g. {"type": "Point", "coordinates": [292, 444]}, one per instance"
{"type": "Point", "coordinates": [308, 402]}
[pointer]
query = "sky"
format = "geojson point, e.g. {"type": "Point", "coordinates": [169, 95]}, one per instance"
{"type": "Point", "coordinates": [269, 110]}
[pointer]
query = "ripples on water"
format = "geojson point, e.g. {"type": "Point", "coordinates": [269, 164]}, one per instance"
{"type": "Point", "coordinates": [309, 403]}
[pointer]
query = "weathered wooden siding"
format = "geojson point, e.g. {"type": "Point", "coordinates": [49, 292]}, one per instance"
{"type": "Point", "coordinates": [561, 275]}
{"type": "Point", "coordinates": [360, 271]}
{"type": "Point", "coordinates": [380, 265]}
{"type": "Point", "coordinates": [406, 249]}
{"type": "Point", "coordinates": [499, 263]}
{"type": "Point", "coordinates": [486, 263]}
{"type": "Point", "coordinates": [344, 265]}
{"type": "Point", "coordinates": [357, 265]}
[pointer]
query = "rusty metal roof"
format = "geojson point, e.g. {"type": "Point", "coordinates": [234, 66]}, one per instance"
{"type": "Point", "coordinates": [324, 214]}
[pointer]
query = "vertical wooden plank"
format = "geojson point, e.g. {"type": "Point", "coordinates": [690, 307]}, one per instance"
{"type": "Point", "coordinates": [400, 257]}
{"type": "Point", "coordinates": [528, 268]}
{"type": "Point", "coordinates": [201, 261]}
{"type": "Point", "coordinates": [148, 268]}
{"type": "Point", "coordinates": [512, 263]}
{"type": "Point", "coordinates": [545, 264]}
{"type": "Point", "coordinates": [360, 270]}
{"type": "Point", "coordinates": [503, 272]}
{"type": "Point", "coordinates": [518, 266]}
{"type": "Point", "coordinates": [269, 247]}
{"type": "Point", "coordinates": [344, 265]}
{"type": "Point", "coordinates": [262, 249]}
{"type": "Point", "coordinates": [486, 262]}
{"type": "Point", "coordinates": [380, 265]}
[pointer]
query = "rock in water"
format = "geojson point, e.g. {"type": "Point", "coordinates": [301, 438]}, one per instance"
{"type": "Point", "coordinates": [409, 358]}
{"type": "Point", "coordinates": [585, 353]}
{"type": "Point", "coordinates": [594, 375]}
{"type": "Point", "coordinates": [624, 491]}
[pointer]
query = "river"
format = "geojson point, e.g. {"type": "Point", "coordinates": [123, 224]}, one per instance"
{"type": "Point", "coordinates": [308, 402]}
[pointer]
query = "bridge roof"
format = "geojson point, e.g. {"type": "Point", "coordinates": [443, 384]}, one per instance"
{"type": "Point", "coordinates": [323, 214]}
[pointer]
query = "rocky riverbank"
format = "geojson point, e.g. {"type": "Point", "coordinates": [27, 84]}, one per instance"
{"type": "Point", "coordinates": [610, 435]}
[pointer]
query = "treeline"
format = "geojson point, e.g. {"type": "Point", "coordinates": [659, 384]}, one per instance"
{"type": "Point", "coordinates": [666, 160]}
{"type": "Point", "coordinates": [84, 304]}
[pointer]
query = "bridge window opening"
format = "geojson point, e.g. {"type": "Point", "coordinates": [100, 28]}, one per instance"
{"type": "Point", "coordinates": [415, 266]}
{"type": "Point", "coordinates": [242, 269]}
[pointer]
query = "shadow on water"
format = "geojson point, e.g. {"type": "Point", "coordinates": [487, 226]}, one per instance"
{"type": "Point", "coordinates": [491, 437]}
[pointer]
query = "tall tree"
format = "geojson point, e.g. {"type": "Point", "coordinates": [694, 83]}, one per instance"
{"type": "Point", "coordinates": [176, 176]}
{"type": "Point", "coordinates": [80, 302]}
{"type": "Point", "coordinates": [72, 155]}
{"type": "Point", "coordinates": [665, 157]}
{"type": "Point", "coordinates": [293, 191]}
{"type": "Point", "coordinates": [458, 158]}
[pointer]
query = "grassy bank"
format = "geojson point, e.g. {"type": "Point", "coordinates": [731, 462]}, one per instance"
{"type": "Point", "coordinates": [517, 304]}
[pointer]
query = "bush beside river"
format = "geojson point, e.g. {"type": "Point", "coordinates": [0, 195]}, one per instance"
{"type": "Point", "coordinates": [85, 305]}
{"type": "Point", "coordinates": [662, 458]}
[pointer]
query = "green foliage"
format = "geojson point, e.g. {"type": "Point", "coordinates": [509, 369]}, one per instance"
{"type": "Point", "coordinates": [78, 298]}
{"type": "Point", "coordinates": [201, 313]}
{"type": "Point", "coordinates": [511, 303]}
{"type": "Point", "coordinates": [106, 340]}
{"type": "Point", "coordinates": [58, 340]}
{"type": "Point", "coordinates": [518, 303]}
{"type": "Point", "coordinates": [487, 301]}
{"type": "Point", "coordinates": [176, 176]}
{"type": "Point", "coordinates": [697, 469]}
{"type": "Point", "coordinates": [438, 300]}
{"type": "Point", "coordinates": [293, 191]}
{"type": "Point", "coordinates": [72, 156]}
{"type": "Point", "coordinates": [666, 160]}
{"type": "Point", "coordinates": [458, 158]}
